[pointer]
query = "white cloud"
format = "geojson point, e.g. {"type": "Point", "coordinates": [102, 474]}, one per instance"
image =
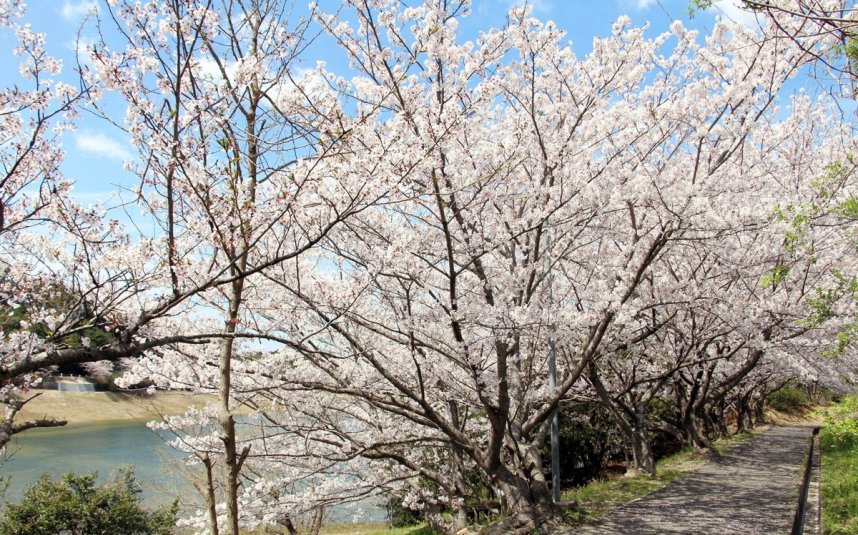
{"type": "Point", "coordinates": [102, 145]}
{"type": "Point", "coordinates": [643, 4]}
{"type": "Point", "coordinates": [75, 10]}
{"type": "Point", "coordinates": [211, 70]}
{"type": "Point", "coordinates": [79, 46]}
{"type": "Point", "coordinates": [730, 10]}
{"type": "Point", "coordinates": [540, 7]}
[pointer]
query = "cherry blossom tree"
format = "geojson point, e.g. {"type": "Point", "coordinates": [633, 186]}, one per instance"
{"type": "Point", "coordinates": [233, 170]}
{"type": "Point", "coordinates": [540, 196]}
{"type": "Point", "coordinates": [34, 197]}
{"type": "Point", "coordinates": [826, 29]}
{"type": "Point", "coordinates": [740, 313]}
{"type": "Point", "coordinates": [368, 275]}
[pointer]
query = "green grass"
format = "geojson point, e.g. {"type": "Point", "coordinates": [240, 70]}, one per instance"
{"type": "Point", "coordinates": [722, 444]}
{"type": "Point", "coordinates": [420, 529]}
{"type": "Point", "coordinates": [365, 528]}
{"type": "Point", "coordinates": [790, 398]}
{"type": "Point", "coordinates": [376, 529]}
{"type": "Point", "coordinates": [839, 449]}
{"type": "Point", "coordinates": [597, 498]}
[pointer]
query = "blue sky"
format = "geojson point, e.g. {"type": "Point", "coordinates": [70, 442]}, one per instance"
{"type": "Point", "coordinates": [96, 151]}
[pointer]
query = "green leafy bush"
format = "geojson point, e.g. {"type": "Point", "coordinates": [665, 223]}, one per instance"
{"type": "Point", "coordinates": [399, 516]}
{"type": "Point", "coordinates": [74, 505]}
{"type": "Point", "coordinates": [789, 398]}
{"type": "Point", "coordinates": [841, 425]}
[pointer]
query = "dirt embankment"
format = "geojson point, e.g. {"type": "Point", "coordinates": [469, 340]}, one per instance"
{"type": "Point", "coordinates": [89, 407]}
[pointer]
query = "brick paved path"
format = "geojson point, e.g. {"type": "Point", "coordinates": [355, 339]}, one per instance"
{"type": "Point", "coordinates": [752, 488]}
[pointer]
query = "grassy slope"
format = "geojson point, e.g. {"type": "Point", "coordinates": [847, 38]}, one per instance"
{"type": "Point", "coordinates": [92, 407]}
{"type": "Point", "coordinates": [839, 490]}
{"type": "Point", "coordinates": [839, 449]}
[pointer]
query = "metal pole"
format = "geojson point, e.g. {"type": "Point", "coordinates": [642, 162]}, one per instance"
{"type": "Point", "coordinates": [555, 420]}
{"type": "Point", "coordinates": [552, 384]}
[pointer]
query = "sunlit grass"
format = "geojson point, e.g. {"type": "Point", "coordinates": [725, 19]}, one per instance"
{"type": "Point", "coordinates": [376, 529]}
{"type": "Point", "coordinates": [597, 498]}
{"type": "Point", "coordinates": [367, 528]}
{"type": "Point", "coordinates": [839, 482]}
{"type": "Point", "coordinates": [840, 490]}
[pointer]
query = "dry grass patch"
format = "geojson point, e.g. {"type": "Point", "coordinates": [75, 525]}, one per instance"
{"type": "Point", "coordinates": [94, 407]}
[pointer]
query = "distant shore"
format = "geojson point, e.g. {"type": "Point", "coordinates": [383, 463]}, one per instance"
{"type": "Point", "coordinates": [93, 407]}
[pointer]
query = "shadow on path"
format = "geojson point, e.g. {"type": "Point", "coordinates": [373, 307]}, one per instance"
{"type": "Point", "coordinates": [752, 488]}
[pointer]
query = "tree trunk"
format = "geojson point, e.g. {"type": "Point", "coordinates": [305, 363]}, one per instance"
{"type": "Point", "coordinates": [317, 521]}
{"type": "Point", "coordinates": [744, 422]}
{"type": "Point", "coordinates": [525, 501]}
{"type": "Point", "coordinates": [232, 459]}
{"type": "Point", "coordinates": [693, 433]}
{"type": "Point", "coordinates": [516, 502]}
{"type": "Point", "coordinates": [208, 492]}
{"type": "Point", "coordinates": [460, 520]}
{"type": "Point", "coordinates": [643, 460]}
{"type": "Point", "coordinates": [760, 411]}
{"type": "Point", "coordinates": [715, 415]}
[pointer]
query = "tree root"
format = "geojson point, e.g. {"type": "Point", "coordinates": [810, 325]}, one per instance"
{"type": "Point", "coordinates": [542, 519]}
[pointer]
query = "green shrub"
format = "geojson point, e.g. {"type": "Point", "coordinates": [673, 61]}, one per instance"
{"type": "Point", "coordinates": [587, 435]}
{"type": "Point", "coordinates": [75, 505]}
{"type": "Point", "coordinates": [789, 398]}
{"type": "Point", "coordinates": [399, 516]}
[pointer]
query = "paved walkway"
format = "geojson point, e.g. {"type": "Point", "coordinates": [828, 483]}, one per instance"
{"type": "Point", "coordinates": [752, 488]}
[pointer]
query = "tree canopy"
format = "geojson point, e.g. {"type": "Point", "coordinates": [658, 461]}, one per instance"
{"type": "Point", "coordinates": [376, 266]}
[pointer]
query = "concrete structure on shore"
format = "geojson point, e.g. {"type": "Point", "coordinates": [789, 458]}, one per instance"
{"type": "Point", "coordinates": [75, 384]}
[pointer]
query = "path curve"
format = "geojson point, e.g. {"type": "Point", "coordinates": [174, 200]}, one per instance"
{"type": "Point", "coordinates": [751, 488]}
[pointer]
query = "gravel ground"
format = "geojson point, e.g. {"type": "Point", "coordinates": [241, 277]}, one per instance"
{"type": "Point", "coordinates": [752, 488]}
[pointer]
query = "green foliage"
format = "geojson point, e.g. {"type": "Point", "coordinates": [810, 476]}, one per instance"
{"type": "Point", "coordinates": [821, 308]}
{"type": "Point", "coordinates": [74, 505]}
{"type": "Point", "coordinates": [828, 204]}
{"type": "Point", "coordinates": [775, 277]}
{"type": "Point", "coordinates": [790, 399]}
{"type": "Point", "coordinates": [846, 337]}
{"type": "Point", "coordinates": [841, 423]}
{"type": "Point", "coordinates": [848, 209]}
{"type": "Point", "coordinates": [597, 498]}
{"type": "Point", "coordinates": [418, 529]}
{"type": "Point", "coordinates": [399, 516]}
{"type": "Point", "coordinates": [698, 5]}
{"type": "Point", "coordinates": [850, 49]}
{"type": "Point", "coordinates": [587, 435]}
{"type": "Point", "coordinates": [839, 448]}
{"type": "Point", "coordinates": [81, 320]}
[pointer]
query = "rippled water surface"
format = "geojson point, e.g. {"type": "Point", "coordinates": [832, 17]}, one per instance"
{"type": "Point", "coordinates": [102, 448]}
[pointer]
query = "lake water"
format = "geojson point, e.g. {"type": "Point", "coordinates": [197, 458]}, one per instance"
{"type": "Point", "coordinates": [106, 447]}
{"type": "Point", "coordinates": [102, 448]}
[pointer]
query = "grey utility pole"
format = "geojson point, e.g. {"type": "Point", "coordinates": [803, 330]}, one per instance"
{"type": "Point", "coordinates": [552, 384]}
{"type": "Point", "coordinates": [555, 419]}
